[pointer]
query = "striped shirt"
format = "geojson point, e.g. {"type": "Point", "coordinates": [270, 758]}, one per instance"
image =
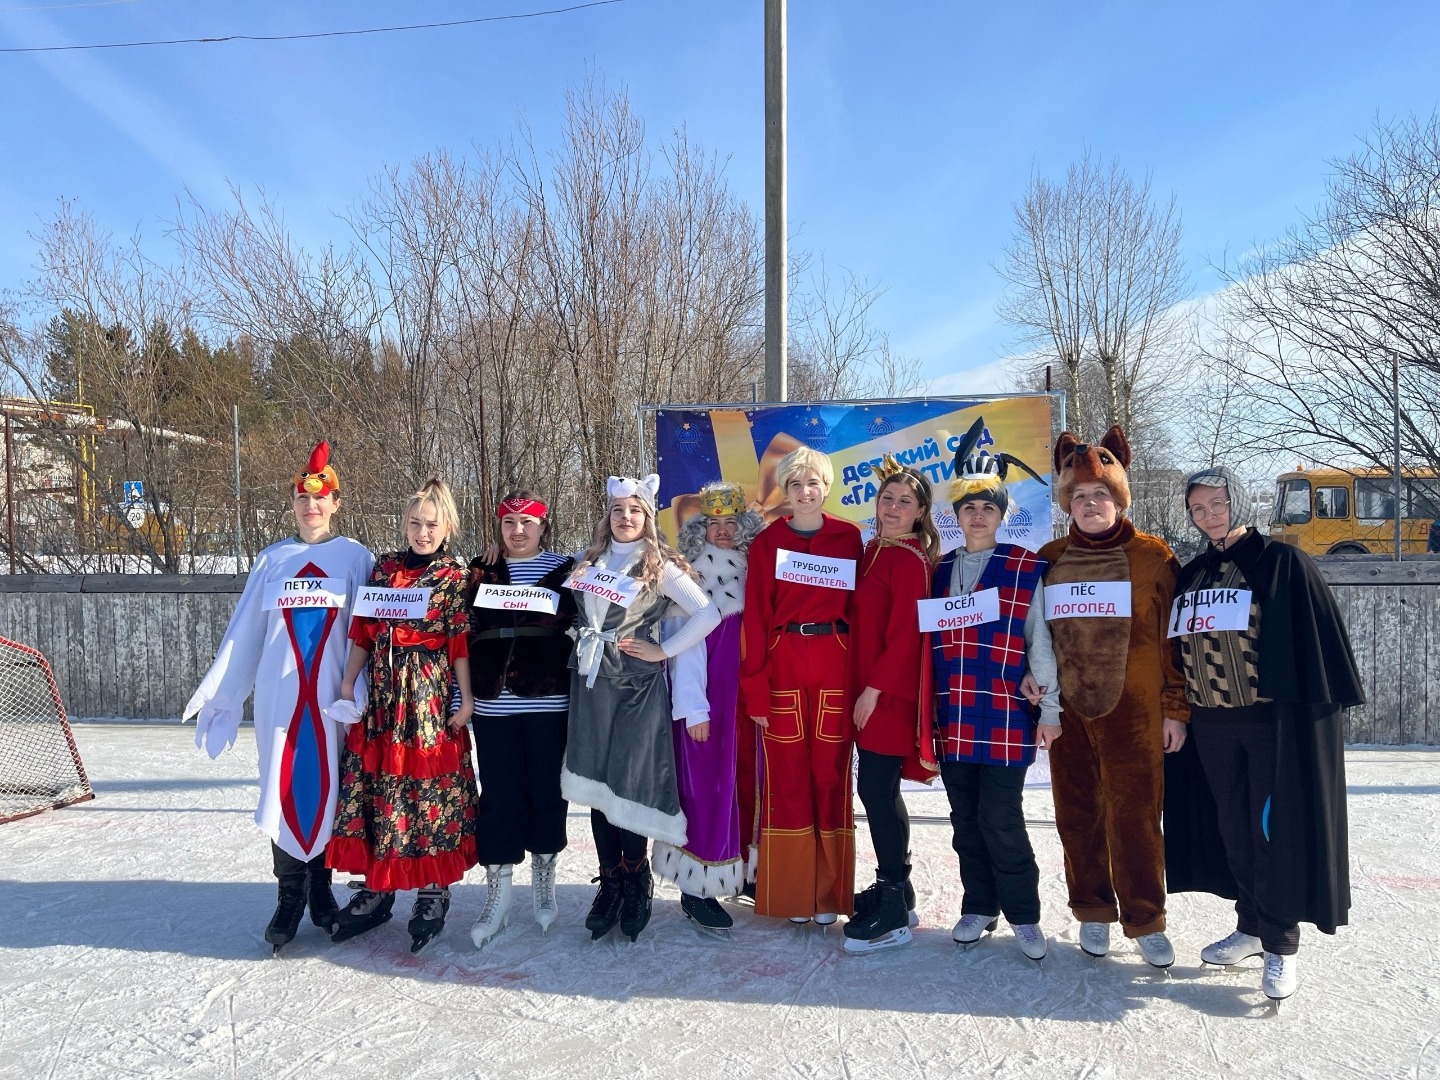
{"type": "Point", "coordinates": [522, 572]}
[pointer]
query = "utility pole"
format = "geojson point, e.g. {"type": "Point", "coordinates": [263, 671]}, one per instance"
{"type": "Point", "coordinates": [776, 261]}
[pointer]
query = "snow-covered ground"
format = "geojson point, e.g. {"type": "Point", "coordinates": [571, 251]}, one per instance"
{"type": "Point", "coordinates": [130, 945]}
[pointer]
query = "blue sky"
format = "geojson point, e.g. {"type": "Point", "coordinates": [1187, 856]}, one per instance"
{"type": "Point", "coordinates": [913, 126]}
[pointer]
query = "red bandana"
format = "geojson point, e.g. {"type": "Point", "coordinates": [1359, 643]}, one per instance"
{"type": "Point", "coordinates": [533, 507]}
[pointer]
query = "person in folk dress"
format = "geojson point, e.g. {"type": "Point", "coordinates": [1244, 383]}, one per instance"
{"type": "Point", "coordinates": [407, 787]}
{"type": "Point", "coordinates": [519, 660]}
{"type": "Point", "coordinates": [620, 760]}
{"type": "Point", "coordinates": [795, 682]}
{"type": "Point", "coordinates": [892, 710]}
{"type": "Point", "coordinates": [705, 702]}
{"type": "Point", "coordinates": [286, 642]}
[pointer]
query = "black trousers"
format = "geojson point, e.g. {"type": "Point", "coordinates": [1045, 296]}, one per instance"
{"type": "Point", "coordinates": [1239, 761]}
{"type": "Point", "coordinates": [997, 864]}
{"type": "Point", "coordinates": [879, 786]}
{"type": "Point", "coordinates": [286, 864]}
{"type": "Point", "coordinates": [518, 761]}
{"type": "Point", "coordinates": [615, 845]}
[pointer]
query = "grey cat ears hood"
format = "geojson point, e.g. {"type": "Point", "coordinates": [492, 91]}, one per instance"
{"type": "Point", "coordinates": [1242, 507]}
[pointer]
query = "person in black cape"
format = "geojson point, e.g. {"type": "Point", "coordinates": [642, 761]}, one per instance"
{"type": "Point", "coordinates": [1268, 672]}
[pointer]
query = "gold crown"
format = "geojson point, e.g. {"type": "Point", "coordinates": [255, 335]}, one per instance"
{"type": "Point", "coordinates": [888, 467]}
{"type": "Point", "coordinates": [722, 499]}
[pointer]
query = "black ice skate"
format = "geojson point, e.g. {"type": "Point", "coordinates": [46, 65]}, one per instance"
{"type": "Point", "coordinates": [367, 909]}
{"type": "Point", "coordinates": [427, 917]}
{"type": "Point", "coordinates": [639, 887]}
{"type": "Point", "coordinates": [605, 911]}
{"type": "Point", "coordinates": [289, 910]}
{"type": "Point", "coordinates": [869, 900]}
{"type": "Point", "coordinates": [885, 926]}
{"type": "Point", "coordinates": [324, 912]}
{"type": "Point", "coordinates": [707, 915]}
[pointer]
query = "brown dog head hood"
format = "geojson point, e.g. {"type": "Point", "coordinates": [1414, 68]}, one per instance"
{"type": "Point", "coordinates": [1077, 463]}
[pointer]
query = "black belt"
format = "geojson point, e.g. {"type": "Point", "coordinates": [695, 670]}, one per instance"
{"type": "Point", "coordinates": [519, 631]}
{"type": "Point", "coordinates": [817, 629]}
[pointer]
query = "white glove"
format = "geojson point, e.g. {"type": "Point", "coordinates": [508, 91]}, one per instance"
{"type": "Point", "coordinates": [215, 729]}
{"type": "Point", "coordinates": [343, 711]}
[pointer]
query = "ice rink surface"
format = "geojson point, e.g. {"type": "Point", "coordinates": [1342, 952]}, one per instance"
{"type": "Point", "coordinates": [130, 945]}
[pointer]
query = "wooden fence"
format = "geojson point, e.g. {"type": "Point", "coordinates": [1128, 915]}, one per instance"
{"type": "Point", "coordinates": [136, 646]}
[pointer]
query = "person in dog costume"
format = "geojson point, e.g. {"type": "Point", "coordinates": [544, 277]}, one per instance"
{"type": "Point", "coordinates": [1108, 592]}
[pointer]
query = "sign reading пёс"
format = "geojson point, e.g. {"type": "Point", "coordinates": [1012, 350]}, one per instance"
{"type": "Point", "coordinates": [958, 612]}
{"type": "Point", "coordinates": [517, 598]}
{"type": "Point", "coordinates": [1087, 600]}
{"type": "Point", "coordinates": [305, 592]}
{"type": "Point", "coordinates": [1206, 611]}
{"type": "Point", "coordinates": [378, 603]}
{"type": "Point", "coordinates": [620, 589]}
{"type": "Point", "coordinates": [802, 568]}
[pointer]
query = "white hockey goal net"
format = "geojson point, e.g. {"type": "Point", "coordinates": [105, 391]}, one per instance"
{"type": "Point", "coordinates": [40, 767]}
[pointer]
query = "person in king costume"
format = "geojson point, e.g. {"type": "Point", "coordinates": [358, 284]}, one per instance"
{"type": "Point", "coordinates": [286, 642]}
{"type": "Point", "coordinates": [1262, 777]}
{"type": "Point", "coordinates": [620, 760]}
{"type": "Point", "coordinates": [407, 787]}
{"type": "Point", "coordinates": [987, 736]}
{"type": "Point", "coordinates": [1108, 591]}
{"type": "Point", "coordinates": [705, 699]}
{"type": "Point", "coordinates": [892, 710]}
{"type": "Point", "coordinates": [795, 682]}
{"type": "Point", "coordinates": [519, 660]}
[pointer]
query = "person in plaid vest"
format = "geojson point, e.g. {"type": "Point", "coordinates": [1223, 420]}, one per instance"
{"type": "Point", "coordinates": [986, 731]}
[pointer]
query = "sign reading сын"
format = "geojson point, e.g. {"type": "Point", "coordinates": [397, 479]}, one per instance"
{"type": "Point", "coordinates": [517, 598]}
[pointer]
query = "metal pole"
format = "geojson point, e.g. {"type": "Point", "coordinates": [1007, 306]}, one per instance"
{"type": "Point", "coordinates": [1399, 490]}
{"type": "Point", "coordinates": [235, 431]}
{"type": "Point", "coordinates": [776, 260]}
{"type": "Point", "coordinates": [10, 492]}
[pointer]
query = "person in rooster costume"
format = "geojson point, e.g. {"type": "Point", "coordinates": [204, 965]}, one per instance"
{"type": "Point", "coordinates": [286, 643]}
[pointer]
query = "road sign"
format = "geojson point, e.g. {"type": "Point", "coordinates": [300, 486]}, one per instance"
{"type": "Point", "coordinates": [134, 493]}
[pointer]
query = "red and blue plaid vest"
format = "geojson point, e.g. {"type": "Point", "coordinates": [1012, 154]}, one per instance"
{"type": "Point", "coordinates": [980, 716]}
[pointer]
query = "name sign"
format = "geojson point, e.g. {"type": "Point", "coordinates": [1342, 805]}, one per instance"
{"type": "Point", "coordinates": [517, 598]}
{"type": "Point", "coordinates": [958, 612]}
{"type": "Point", "coordinates": [803, 569]}
{"type": "Point", "coordinates": [1209, 610]}
{"type": "Point", "coordinates": [376, 603]}
{"type": "Point", "coordinates": [1088, 600]}
{"type": "Point", "coordinates": [620, 589]}
{"type": "Point", "coordinates": [305, 592]}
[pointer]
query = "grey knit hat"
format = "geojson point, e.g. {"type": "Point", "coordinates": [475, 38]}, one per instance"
{"type": "Point", "coordinates": [1242, 508]}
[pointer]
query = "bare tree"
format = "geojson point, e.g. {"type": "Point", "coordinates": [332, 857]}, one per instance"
{"type": "Point", "coordinates": [1315, 328]}
{"type": "Point", "coordinates": [1095, 279]}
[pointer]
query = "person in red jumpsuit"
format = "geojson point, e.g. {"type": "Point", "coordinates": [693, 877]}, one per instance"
{"type": "Point", "coordinates": [794, 679]}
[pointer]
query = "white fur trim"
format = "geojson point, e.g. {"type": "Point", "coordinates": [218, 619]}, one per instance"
{"type": "Point", "coordinates": [752, 863]}
{"type": "Point", "coordinates": [632, 816]}
{"type": "Point", "coordinates": [697, 878]}
{"type": "Point", "coordinates": [722, 576]}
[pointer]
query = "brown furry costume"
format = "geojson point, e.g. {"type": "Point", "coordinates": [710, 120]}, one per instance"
{"type": "Point", "coordinates": [1118, 679]}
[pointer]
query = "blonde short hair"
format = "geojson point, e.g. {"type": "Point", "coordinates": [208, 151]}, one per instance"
{"type": "Point", "coordinates": [801, 459]}
{"type": "Point", "coordinates": [437, 494]}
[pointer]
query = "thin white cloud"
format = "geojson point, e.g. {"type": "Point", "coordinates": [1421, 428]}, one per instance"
{"type": "Point", "coordinates": [138, 115]}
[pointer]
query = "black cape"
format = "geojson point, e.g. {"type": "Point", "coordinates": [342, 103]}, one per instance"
{"type": "Point", "coordinates": [1308, 670]}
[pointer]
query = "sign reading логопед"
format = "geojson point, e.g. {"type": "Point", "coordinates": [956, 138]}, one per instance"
{"type": "Point", "coordinates": [805, 569]}
{"type": "Point", "coordinates": [958, 612]}
{"type": "Point", "coordinates": [305, 592]}
{"type": "Point", "coordinates": [620, 589]}
{"type": "Point", "coordinates": [1209, 610]}
{"type": "Point", "coordinates": [377, 603]}
{"type": "Point", "coordinates": [517, 598]}
{"type": "Point", "coordinates": [1088, 600]}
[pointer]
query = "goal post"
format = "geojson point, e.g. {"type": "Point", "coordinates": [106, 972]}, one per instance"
{"type": "Point", "coordinates": [40, 767]}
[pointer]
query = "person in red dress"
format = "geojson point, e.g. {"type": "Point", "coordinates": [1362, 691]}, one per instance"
{"type": "Point", "coordinates": [794, 681]}
{"type": "Point", "coordinates": [891, 709]}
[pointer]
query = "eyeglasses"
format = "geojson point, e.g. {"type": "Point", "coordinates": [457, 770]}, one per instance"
{"type": "Point", "coordinates": [1200, 510]}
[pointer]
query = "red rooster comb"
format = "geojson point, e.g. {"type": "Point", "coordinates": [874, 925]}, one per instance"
{"type": "Point", "coordinates": [319, 457]}
{"type": "Point", "coordinates": [319, 477]}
